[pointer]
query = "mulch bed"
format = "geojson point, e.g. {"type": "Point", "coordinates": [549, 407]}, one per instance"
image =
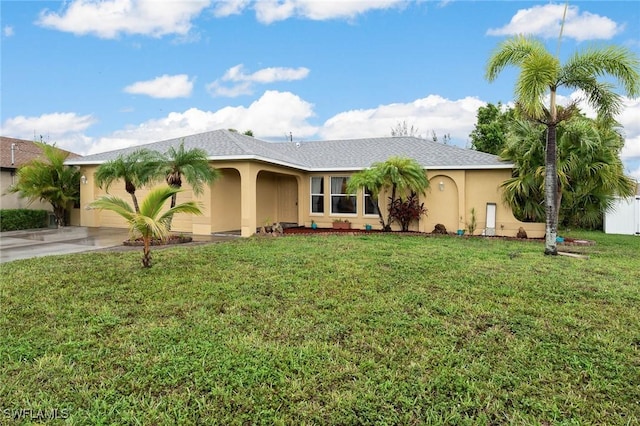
{"type": "Point", "coordinates": [330, 231]}
{"type": "Point", "coordinates": [173, 239]}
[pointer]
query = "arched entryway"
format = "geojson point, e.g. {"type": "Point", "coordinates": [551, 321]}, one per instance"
{"type": "Point", "coordinates": [226, 202]}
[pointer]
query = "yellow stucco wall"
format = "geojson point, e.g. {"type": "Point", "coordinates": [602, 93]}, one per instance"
{"type": "Point", "coordinates": [249, 194]}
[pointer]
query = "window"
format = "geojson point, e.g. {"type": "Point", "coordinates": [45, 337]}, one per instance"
{"type": "Point", "coordinates": [317, 194]}
{"type": "Point", "coordinates": [370, 205]}
{"type": "Point", "coordinates": [341, 202]}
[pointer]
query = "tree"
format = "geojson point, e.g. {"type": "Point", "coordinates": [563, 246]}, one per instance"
{"type": "Point", "coordinates": [446, 138]}
{"type": "Point", "coordinates": [49, 180]}
{"type": "Point", "coordinates": [402, 129]}
{"type": "Point", "coordinates": [137, 169]}
{"type": "Point", "coordinates": [191, 164]}
{"type": "Point", "coordinates": [590, 172]}
{"type": "Point", "coordinates": [542, 73]}
{"type": "Point", "coordinates": [150, 222]}
{"type": "Point", "coordinates": [491, 127]}
{"type": "Point", "coordinates": [399, 176]}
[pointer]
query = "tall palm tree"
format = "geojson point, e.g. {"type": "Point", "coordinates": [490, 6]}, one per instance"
{"type": "Point", "coordinates": [542, 73]}
{"type": "Point", "coordinates": [150, 221]}
{"type": "Point", "coordinates": [50, 180]}
{"type": "Point", "coordinates": [137, 169]}
{"type": "Point", "coordinates": [397, 175]}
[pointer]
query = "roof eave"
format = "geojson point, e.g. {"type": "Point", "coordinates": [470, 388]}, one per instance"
{"type": "Point", "coordinates": [313, 169]}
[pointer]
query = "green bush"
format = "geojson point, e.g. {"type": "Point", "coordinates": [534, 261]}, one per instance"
{"type": "Point", "coordinates": [16, 219]}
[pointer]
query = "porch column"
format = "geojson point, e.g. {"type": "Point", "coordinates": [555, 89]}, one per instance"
{"type": "Point", "coordinates": [248, 186]}
{"type": "Point", "coordinates": [201, 224]}
{"type": "Point", "coordinates": [88, 194]}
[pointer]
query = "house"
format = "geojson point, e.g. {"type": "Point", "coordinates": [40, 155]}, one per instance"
{"type": "Point", "coordinates": [15, 153]}
{"type": "Point", "coordinates": [624, 216]}
{"type": "Point", "coordinates": [296, 183]}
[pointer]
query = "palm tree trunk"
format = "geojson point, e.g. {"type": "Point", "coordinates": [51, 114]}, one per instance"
{"type": "Point", "coordinates": [387, 227]}
{"type": "Point", "coordinates": [146, 254]}
{"type": "Point", "coordinates": [381, 217]}
{"type": "Point", "coordinates": [135, 202]}
{"type": "Point", "coordinates": [59, 213]}
{"type": "Point", "coordinates": [551, 191]}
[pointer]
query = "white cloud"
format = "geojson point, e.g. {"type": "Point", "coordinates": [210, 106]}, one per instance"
{"type": "Point", "coordinates": [165, 86]}
{"type": "Point", "coordinates": [269, 117]}
{"type": "Point", "coordinates": [66, 130]}
{"type": "Point", "coordinates": [229, 7]}
{"type": "Point", "coordinates": [635, 172]}
{"type": "Point", "coordinates": [8, 31]}
{"type": "Point", "coordinates": [110, 18]}
{"type": "Point", "coordinates": [431, 114]}
{"type": "Point", "coordinates": [269, 11]}
{"type": "Point", "coordinates": [242, 83]}
{"type": "Point", "coordinates": [545, 21]}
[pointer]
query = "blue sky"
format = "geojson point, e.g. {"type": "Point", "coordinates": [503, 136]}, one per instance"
{"type": "Point", "coordinates": [95, 76]}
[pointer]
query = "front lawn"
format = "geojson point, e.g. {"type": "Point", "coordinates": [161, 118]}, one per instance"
{"type": "Point", "coordinates": [367, 329]}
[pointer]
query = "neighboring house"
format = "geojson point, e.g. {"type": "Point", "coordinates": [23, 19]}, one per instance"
{"type": "Point", "coordinates": [624, 216]}
{"type": "Point", "coordinates": [13, 154]}
{"type": "Point", "coordinates": [296, 183]}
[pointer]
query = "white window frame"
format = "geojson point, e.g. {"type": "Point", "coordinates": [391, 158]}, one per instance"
{"type": "Point", "coordinates": [354, 197]}
{"type": "Point", "coordinates": [323, 195]}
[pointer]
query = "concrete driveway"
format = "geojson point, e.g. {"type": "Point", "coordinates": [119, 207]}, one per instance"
{"type": "Point", "coordinates": [70, 239]}
{"type": "Point", "coordinates": [45, 242]}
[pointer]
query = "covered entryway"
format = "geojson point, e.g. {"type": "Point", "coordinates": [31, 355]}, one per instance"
{"type": "Point", "coordinates": [225, 202]}
{"type": "Point", "coordinates": [276, 198]}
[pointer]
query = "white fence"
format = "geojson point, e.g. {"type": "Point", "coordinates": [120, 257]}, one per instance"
{"type": "Point", "coordinates": [624, 217]}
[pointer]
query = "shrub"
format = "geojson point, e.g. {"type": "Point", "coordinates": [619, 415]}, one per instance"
{"type": "Point", "coordinates": [406, 211]}
{"type": "Point", "coordinates": [17, 219]}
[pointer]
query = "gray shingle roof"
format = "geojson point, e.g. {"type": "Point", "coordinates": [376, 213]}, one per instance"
{"type": "Point", "coordinates": [349, 154]}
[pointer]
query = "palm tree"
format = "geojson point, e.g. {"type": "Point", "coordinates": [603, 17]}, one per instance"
{"type": "Point", "coordinates": [590, 172]}
{"type": "Point", "coordinates": [542, 73]}
{"type": "Point", "coordinates": [136, 169]}
{"type": "Point", "coordinates": [192, 164]}
{"type": "Point", "coordinates": [397, 175]}
{"type": "Point", "coordinates": [50, 180]}
{"type": "Point", "coordinates": [151, 221]}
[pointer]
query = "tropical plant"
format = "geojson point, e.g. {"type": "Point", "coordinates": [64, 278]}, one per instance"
{"type": "Point", "coordinates": [541, 73]}
{"type": "Point", "coordinates": [49, 180]}
{"type": "Point", "coordinates": [150, 222]}
{"type": "Point", "coordinates": [137, 169]}
{"type": "Point", "coordinates": [407, 211]}
{"type": "Point", "coordinates": [192, 164]}
{"type": "Point", "coordinates": [590, 172]}
{"type": "Point", "coordinates": [397, 175]}
{"type": "Point", "coordinates": [473, 223]}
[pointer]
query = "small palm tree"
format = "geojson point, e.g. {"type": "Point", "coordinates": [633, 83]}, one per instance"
{"type": "Point", "coordinates": [50, 180]}
{"type": "Point", "coordinates": [150, 222]}
{"type": "Point", "coordinates": [191, 164]}
{"type": "Point", "coordinates": [397, 175]}
{"type": "Point", "coordinates": [541, 73]}
{"type": "Point", "coordinates": [136, 169]}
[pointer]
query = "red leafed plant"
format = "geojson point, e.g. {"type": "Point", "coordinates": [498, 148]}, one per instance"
{"type": "Point", "coordinates": [406, 211]}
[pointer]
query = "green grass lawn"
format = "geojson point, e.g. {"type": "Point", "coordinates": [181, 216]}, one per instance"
{"type": "Point", "coordinates": [368, 329]}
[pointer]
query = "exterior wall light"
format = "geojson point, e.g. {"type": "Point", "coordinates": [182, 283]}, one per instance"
{"type": "Point", "coordinates": [441, 186]}
{"type": "Point", "coordinates": [83, 179]}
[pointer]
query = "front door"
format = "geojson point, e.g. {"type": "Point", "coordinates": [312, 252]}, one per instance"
{"type": "Point", "coordinates": [287, 199]}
